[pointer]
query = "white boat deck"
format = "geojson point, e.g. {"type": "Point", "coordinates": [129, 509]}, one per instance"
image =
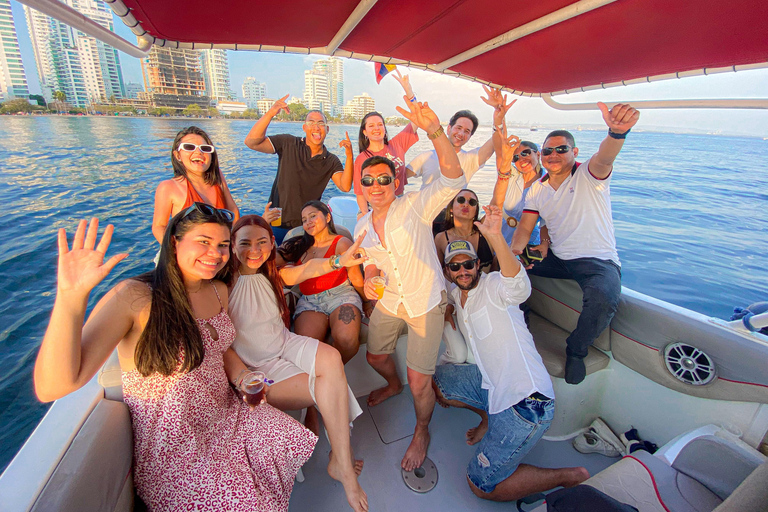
{"type": "Point", "coordinates": [380, 437]}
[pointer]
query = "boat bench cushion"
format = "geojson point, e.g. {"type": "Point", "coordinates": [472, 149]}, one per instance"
{"type": "Point", "coordinates": [95, 471]}
{"type": "Point", "coordinates": [751, 495]}
{"type": "Point", "coordinates": [550, 343]}
{"type": "Point", "coordinates": [560, 301]}
{"type": "Point", "coordinates": [111, 378]}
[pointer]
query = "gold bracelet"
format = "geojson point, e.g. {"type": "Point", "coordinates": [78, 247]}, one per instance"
{"type": "Point", "coordinates": [437, 133]}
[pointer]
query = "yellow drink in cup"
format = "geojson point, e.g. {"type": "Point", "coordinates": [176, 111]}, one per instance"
{"type": "Point", "coordinates": [379, 283]}
{"type": "Point", "coordinates": [279, 220]}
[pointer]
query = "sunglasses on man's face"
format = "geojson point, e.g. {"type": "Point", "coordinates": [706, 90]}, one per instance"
{"type": "Point", "coordinates": [383, 180]}
{"type": "Point", "coordinates": [560, 150]}
{"type": "Point", "coordinates": [525, 152]}
{"type": "Point", "coordinates": [472, 201]}
{"type": "Point", "coordinates": [207, 209]}
{"type": "Point", "coordinates": [454, 267]}
{"type": "Point", "coordinates": [188, 146]}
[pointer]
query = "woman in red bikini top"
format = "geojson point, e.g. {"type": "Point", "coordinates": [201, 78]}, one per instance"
{"type": "Point", "coordinates": [196, 178]}
{"type": "Point", "coordinates": [332, 300]}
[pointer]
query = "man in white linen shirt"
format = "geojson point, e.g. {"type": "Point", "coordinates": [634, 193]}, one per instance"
{"type": "Point", "coordinates": [575, 202]}
{"type": "Point", "coordinates": [399, 244]}
{"type": "Point", "coordinates": [508, 385]}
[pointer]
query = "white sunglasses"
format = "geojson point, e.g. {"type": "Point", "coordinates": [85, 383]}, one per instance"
{"type": "Point", "coordinates": [188, 146]}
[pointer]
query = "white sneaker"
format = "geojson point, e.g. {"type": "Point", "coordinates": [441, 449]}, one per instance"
{"type": "Point", "coordinates": [599, 438]}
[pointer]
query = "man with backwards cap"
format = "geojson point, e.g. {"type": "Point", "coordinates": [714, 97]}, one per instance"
{"type": "Point", "coordinates": [505, 381]}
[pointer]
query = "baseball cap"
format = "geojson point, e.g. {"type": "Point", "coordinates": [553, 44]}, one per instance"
{"type": "Point", "coordinates": [459, 247]}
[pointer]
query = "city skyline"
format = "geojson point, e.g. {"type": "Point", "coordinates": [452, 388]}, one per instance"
{"type": "Point", "coordinates": [13, 79]}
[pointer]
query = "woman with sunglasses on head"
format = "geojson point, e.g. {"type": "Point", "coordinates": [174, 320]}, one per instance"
{"type": "Point", "coordinates": [196, 178]}
{"type": "Point", "coordinates": [520, 167]}
{"type": "Point", "coordinates": [459, 224]}
{"type": "Point", "coordinates": [373, 140]}
{"type": "Point", "coordinates": [197, 445]}
{"type": "Point", "coordinates": [335, 300]}
{"type": "Point", "coordinates": [305, 372]}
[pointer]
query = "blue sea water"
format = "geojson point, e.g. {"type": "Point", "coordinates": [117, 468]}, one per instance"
{"type": "Point", "coordinates": [691, 217]}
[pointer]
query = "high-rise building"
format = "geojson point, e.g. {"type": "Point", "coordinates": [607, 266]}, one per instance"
{"type": "Point", "coordinates": [85, 69]}
{"type": "Point", "coordinates": [215, 69]}
{"type": "Point", "coordinates": [13, 81]}
{"type": "Point", "coordinates": [358, 106]}
{"type": "Point", "coordinates": [253, 91]}
{"type": "Point", "coordinates": [324, 86]}
{"type": "Point", "coordinates": [173, 78]}
{"type": "Point", "coordinates": [264, 104]}
{"type": "Point", "coordinates": [132, 90]}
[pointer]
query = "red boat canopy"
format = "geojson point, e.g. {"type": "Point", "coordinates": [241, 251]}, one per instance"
{"type": "Point", "coordinates": [534, 47]}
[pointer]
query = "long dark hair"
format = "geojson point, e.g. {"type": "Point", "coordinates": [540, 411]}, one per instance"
{"type": "Point", "coordinates": [212, 175]}
{"type": "Point", "coordinates": [171, 329]}
{"type": "Point", "coordinates": [448, 221]}
{"type": "Point", "coordinates": [293, 249]}
{"type": "Point", "coordinates": [268, 268]}
{"type": "Point", "coordinates": [362, 140]}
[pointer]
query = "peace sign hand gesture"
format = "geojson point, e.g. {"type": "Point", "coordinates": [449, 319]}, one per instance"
{"type": "Point", "coordinates": [621, 118]}
{"type": "Point", "coordinates": [420, 115]}
{"type": "Point", "coordinates": [83, 267]}
{"type": "Point", "coordinates": [405, 83]}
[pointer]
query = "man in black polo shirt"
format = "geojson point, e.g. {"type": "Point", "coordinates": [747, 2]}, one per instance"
{"type": "Point", "coordinates": [304, 165]}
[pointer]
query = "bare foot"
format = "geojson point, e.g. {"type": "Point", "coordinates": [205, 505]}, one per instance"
{"type": "Point", "coordinates": [474, 435]}
{"type": "Point", "coordinates": [356, 496]}
{"type": "Point", "coordinates": [379, 395]}
{"type": "Point", "coordinates": [312, 421]}
{"type": "Point", "coordinates": [417, 450]}
{"type": "Point", "coordinates": [574, 477]}
{"type": "Point", "coordinates": [357, 464]}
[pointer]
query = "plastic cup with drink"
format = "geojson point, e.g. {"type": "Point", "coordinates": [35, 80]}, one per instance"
{"type": "Point", "coordinates": [253, 386]}
{"type": "Point", "coordinates": [379, 284]}
{"type": "Point", "coordinates": [279, 220]}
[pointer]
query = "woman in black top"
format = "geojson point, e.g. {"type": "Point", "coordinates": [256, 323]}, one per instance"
{"type": "Point", "coordinates": [459, 224]}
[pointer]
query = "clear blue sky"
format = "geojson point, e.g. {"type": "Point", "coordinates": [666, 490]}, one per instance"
{"type": "Point", "coordinates": [284, 74]}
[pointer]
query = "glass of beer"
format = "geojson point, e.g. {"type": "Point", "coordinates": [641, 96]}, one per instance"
{"type": "Point", "coordinates": [279, 220]}
{"type": "Point", "coordinates": [253, 387]}
{"type": "Point", "coordinates": [379, 283]}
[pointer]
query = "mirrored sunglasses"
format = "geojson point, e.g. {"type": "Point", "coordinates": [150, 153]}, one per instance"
{"type": "Point", "coordinates": [188, 146]}
{"type": "Point", "coordinates": [525, 152]}
{"type": "Point", "coordinates": [383, 180]}
{"type": "Point", "coordinates": [560, 150]}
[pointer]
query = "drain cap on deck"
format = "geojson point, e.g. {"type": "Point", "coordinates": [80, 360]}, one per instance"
{"type": "Point", "coordinates": [422, 479]}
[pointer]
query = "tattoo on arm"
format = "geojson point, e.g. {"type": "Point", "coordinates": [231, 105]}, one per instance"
{"type": "Point", "coordinates": [347, 313]}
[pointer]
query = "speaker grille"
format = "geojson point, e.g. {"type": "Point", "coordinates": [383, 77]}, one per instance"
{"type": "Point", "coordinates": [689, 364]}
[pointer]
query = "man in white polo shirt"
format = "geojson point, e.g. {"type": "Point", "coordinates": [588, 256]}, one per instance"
{"type": "Point", "coordinates": [575, 202]}
{"type": "Point", "coordinates": [507, 383]}
{"type": "Point", "coordinates": [399, 244]}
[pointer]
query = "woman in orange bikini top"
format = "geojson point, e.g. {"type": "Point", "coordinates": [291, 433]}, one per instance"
{"type": "Point", "coordinates": [196, 178]}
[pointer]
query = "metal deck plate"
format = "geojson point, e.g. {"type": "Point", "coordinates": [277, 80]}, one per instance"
{"type": "Point", "coordinates": [422, 479]}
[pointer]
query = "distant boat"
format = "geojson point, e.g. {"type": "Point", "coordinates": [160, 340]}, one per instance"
{"type": "Point", "coordinates": [534, 128]}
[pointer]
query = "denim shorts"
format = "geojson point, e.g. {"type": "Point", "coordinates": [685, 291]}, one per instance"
{"type": "Point", "coordinates": [326, 302]}
{"type": "Point", "coordinates": [511, 434]}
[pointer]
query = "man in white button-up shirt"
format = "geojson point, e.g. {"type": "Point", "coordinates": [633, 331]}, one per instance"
{"type": "Point", "coordinates": [399, 244]}
{"type": "Point", "coordinates": [508, 386]}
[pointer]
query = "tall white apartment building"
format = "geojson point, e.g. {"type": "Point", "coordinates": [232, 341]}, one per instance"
{"type": "Point", "coordinates": [253, 91]}
{"type": "Point", "coordinates": [324, 86]}
{"type": "Point", "coordinates": [358, 106]}
{"type": "Point", "coordinates": [85, 69]}
{"type": "Point", "coordinates": [13, 81]}
{"type": "Point", "coordinates": [317, 94]}
{"type": "Point", "coordinates": [215, 67]}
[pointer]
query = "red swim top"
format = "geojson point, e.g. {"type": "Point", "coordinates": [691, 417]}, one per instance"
{"type": "Point", "coordinates": [194, 197]}
{"type": "Point", "coordinates": [327, 281]}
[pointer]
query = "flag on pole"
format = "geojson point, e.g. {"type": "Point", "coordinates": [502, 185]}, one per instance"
{"type": "Point", "coordinates": [382, 70]}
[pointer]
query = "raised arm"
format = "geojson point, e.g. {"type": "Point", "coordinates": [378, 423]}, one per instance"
{"type": "Point", "coordinates": [491, 230]}
{"type": "Point", "coordinates": [317, 267]}
{"type": "Point", "coordinates": [71, 354]}
{"type": "Point", "coordinates": [500, 108]}
{"type": "Point", "coordinates": [504, 147]}
{"type": "Point", "coordinates": [343, 180]}
{"type": "Point", "coordinates": [425, 118]}
{"type": "Point", "coordinates": [620, 119]}
{"type": "Point", "coordinates": [405, 83]}
{"type": "Point", "coordinates": [257, 137]}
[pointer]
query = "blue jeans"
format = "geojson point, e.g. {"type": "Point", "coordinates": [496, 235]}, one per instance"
{"type": "Point", "coordinates": [279, 234]}
{"type": "Point", "coordinates": [511, 434]}
{"type": "Point", "coordinates": [600, 281]}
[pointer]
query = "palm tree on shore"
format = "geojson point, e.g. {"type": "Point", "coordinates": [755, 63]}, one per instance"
{"type": "Point", "coordinates": [60, 97]}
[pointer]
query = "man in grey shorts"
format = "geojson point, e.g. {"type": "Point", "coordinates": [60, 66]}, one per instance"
{"type": "Point", "coordinates": [399, 245]}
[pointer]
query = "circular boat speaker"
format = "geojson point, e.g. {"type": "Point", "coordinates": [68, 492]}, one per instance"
{"type": "Point", "coordinates": [422, 479]}
{"type": "Point", "coordinates": [689, 364]}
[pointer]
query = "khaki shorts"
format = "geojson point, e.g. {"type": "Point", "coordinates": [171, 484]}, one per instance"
{"type": "Point", "coordinates": [424, 335]}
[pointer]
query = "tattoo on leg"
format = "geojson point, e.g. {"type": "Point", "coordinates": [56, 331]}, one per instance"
{"type": "Point", "coordinates": [347, 313]}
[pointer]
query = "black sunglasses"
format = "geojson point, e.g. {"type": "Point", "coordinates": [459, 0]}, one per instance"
{"type": "Point", "coordinates": [525, 152]}
{"type": "Point", "coordinates": [207, 209]}
{"type": "Point", "coordinates": [461, 200]}
{"type": "Point", "coordinates": [383, 180]}
{"type": "Point", "coordinates": [560, 149]}
{"type": "Point", "coordinates": [454, 267]}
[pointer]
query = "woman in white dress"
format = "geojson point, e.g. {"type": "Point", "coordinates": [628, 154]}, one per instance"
{"type": "Point", "coordinates": [305, 372]}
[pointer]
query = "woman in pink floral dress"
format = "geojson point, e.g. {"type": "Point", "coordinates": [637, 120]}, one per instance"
{"type": "Point", "coordinates": [198, 446]}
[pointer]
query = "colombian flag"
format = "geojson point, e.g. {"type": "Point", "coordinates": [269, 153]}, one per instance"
{"type": "Point", "coordinates": [382, 70]}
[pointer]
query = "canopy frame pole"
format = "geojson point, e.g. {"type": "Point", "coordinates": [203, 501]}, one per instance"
{"type": "Point", "coordinates": [537, 25]}
{"type": "Point", "coordinates": [654, 104]}
{"type": "Point", "coordinates": [354, 19]}
{"type": "Point", "coordinates": [74, 19]}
